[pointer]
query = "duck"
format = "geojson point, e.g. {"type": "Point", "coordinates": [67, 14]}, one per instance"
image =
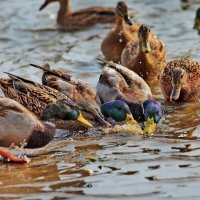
{"type": "Point", "coordinates": [82, 19]}
{"type": "Point", "coordinates": [119, 83]}
{"type": "Point", "coordinates": [146, 56]}
{"type": "Point", "coordinates": [35, 97]}
{"type": "Point", "coordinates": [180, 80]}
{"type": "Point", "coordinates": [115, 41]}
{"type": "Point", "coordinates": [19, 126]}
{"type": "Point", "coordinates": [197, 21]}
{"type": "Point", "coordinates": [83, 94]}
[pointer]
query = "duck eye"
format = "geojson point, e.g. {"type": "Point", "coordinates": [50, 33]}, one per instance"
{"type": "Point", "coordinates": [181, 75]}
{"type": "Point", "coordinates": [119, 108]}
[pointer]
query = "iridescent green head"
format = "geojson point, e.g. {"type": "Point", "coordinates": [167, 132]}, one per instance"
{"type": "Point", "coordinates": [63, 110]}
{"type": "Point", "coordinates": [119, 111]}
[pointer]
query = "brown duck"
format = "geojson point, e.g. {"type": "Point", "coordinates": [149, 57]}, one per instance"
{"type": "Point", "coordinates": [79, 91]}
{"type": "Point", "coordinates": [36, 98]}
{"type": "Point", "coordinates": [114, 43]}
{"type": "Point", "coordinates": [81, 19]}
{"type": "Point", "coordinates": [180, 80]}
{"type": "Point", "coordinates": [146, 56]}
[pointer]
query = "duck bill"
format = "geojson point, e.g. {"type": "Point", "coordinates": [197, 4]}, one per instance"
{"type": "Point", "coordinates": [196, 24]}
{"type": "Point", "coordinates": [175, 93]}
{"type": "Point", "coordinates": [83, 121]}
{"type": "Point", "coordinates": [44, 5]}
{"type": "Point", "coordinates": [146, 47]}
{"type": "Point", "coordinates": [128, 20]}
{"type": "Point", "coordinates": [130, 120]}
{"type": "Point", "coordinates": [150, 126]}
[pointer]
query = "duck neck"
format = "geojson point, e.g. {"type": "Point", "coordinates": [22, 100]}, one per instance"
{"type": "Point", "coordinates": [119, 23]}
{"type": "Point", "coordinates": [41, 135]}
{"type": "Point", "coordinates": [64, 11]}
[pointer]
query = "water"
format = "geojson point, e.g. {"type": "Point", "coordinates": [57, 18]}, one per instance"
{"type": "Point", "coordinates": [118, 166]}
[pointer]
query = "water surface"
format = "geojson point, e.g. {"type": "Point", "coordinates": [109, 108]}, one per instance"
{"type": "Point", "coordinates": [96, 166]}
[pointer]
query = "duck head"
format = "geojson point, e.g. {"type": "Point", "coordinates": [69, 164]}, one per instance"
{"type": "Point", "coordinates": [64, 110]}
{"type": "Point", "coordinates": [119, 111]}
{"type": "Point", "coordinates": [122, 11]}
{"type": "Point", "coordinates": [152, 114]}
{"type": "Point", "coordinates": [47, 2]}
{"type": "Point", "coordinates": [143, 35]}
{"type": "Point", "coordinates": [178, 79]}
{"type": "Point", "coordinates": [197, 20]}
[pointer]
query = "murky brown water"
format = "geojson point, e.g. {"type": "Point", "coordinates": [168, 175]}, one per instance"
{"type": "Point", "coordinates": [118, 166]}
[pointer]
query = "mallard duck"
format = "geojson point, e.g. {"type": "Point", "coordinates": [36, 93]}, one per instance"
{"type": "Point", "coordinates": [119, 83]}
{"type": "Point", "coordinates": [145, 56]}
{"type": "Point", "coordinates": [180, 80]}
{"type": "Point", "coordinates": [83, 94]}
{"type": "Point", "coordinates": [197, 21]}
{"type": "Point", "coordinates": [79, 91]}
{"type": "Point", "coordinates": [114, 43]}
{"type": "Point", "coordinates": [36, 98]}
{"type": "Point", "coordinates": [81, 19]}
{"type": "Point", "coordinates": [21, 127]}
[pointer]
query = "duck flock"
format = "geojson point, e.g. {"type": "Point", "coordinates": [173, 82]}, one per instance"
{"type": "Point", "coordinates": [134, 61]}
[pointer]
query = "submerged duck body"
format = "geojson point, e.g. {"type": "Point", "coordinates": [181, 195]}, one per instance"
{"type": "Point", "coordinates": [180, 80]}
{"type": "Point", "coordinates": [82, 19]}
{"type": "Point", "coordinates": [146, 56]}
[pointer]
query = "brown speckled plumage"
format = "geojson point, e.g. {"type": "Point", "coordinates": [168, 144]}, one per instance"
{"type": "Point", "coordinates": [79, 91]}
{"type": "Point", "coordinates": [190, 88]}
{"type": "Point", "coordinates": [33, 96]}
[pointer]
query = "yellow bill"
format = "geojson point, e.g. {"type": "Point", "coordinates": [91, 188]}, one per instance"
{"type": "Point", "coordinates": [84, 121]}
{"type": "Point", "coordinates": [150, 126]}
{"type": "Point", "coordinates": [130, 120]}
{"type": "Point", "coordinates": [146, 47]}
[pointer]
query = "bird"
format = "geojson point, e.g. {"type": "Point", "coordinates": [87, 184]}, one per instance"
{"type": "Point", "coordinates": [146, 56]}
{"type": "Point", "coordinates": [36, 98]}
{"type": "Point", "coordinates": [115, 41]}
{"type": "Point", "coordinates": [82, 19]}
{"type": "Point", "coordinates": [180, 80]}
{"type": "Point", "coordinates": [22, 127]}
{"type": "Point", "coordinates": [197, 21]}
{"type": "Point", "coordinates": [119, 83]}
{"type": "Point", "coordinates": [83, 94]}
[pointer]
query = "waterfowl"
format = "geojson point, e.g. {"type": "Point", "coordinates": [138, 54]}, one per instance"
{"type": "Point", "coordinates": [114, 43]}
{"type": "Point", "coordinates": [21, 127]}
{"type": "Point", "coordinates": [81, 19]}
{"type": "Point", "coordinates": [197, 21]}
{"type": "Point", "coordinates": [36, 98]}
{"type": "Point", "coordinates": [145, 56]}
{"type": "Point", "coordinates": [119, 83]}
{"type": "Point", "coordinates": [83, 94]}
{"type": "Point", "coordinates": [180, 80]}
